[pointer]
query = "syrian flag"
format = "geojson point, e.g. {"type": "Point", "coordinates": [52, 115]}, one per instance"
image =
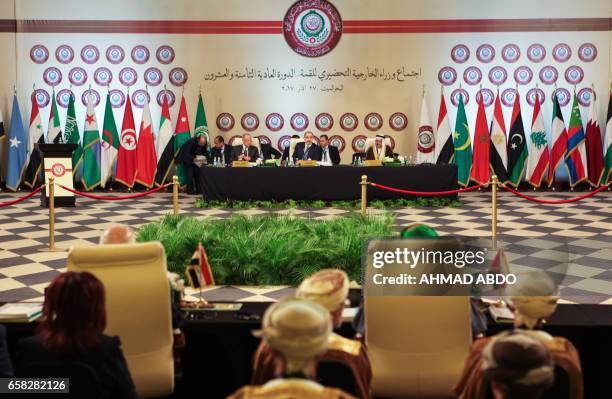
{"type": "Point", "coordinates": [35, 135]}
{"type": "Point", "coordinates": [559, 140]}
{"type": "Point", "coordinates": [145, 150]}
{"type": "Point", "coordinates": [538, 158]}
{"type": "Point", "coordinates": [593, 145]}
{"type": "Point", "coordinates": [426, 141]}
{"type": "Point", "coordinates": [498, 152]}
{"type": "Point", "coordinates": [110, 144]}
{"type": "Point", "coordinates": [91, 148]}
{"type": "Point", "coordinates": [444, 148]}
{"type": "Point", "coordinates": [165, 145]}
{"type": "Point", "coordinates": [126, 157]}
{"type": "Point", "coordinates": [54, 132]}
{"type": "Point", "coordinates": [575, 155]}
{"type": "Point", "coordinates": [206, 275]}
{"type": "Point", "coordinates": [517, 148]}
{"type": "Point", "coordinates": [608, 143]}
{"type": "Point", "coordinates": [480, 165]}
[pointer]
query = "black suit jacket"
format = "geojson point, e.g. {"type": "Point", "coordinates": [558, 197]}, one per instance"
{"type": "Point", "coordinates": [106, 359]}
{"type": "Point", "coordinates": [190, 149]}
{"type": "Point", "coordinates": [370, 152]}
{"type": "Point", "coordinates": [252, 152]}
{"type": "Point", "coordinates": [333, 154]}
{"type": "Point", "coordinates": [267, 151]}
{"type": "Point", "coordinates": [314, 152]}
{"type": "Point", "coordinates": [227, 153]}
{"type": "Point", "coordinates": [6, 369]}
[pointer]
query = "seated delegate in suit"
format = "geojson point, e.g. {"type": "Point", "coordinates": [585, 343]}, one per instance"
{"type": "Point", "coordinates": [245, 152]}
{"type": "Point", "coordinates": [307, 150]}
{"type": "Point", "coordinates": [194, 147]}
{"type": "Point", "coordinates": [329, 153]}
{"type": "Point", "coordinates": [221, 150]}
{"type": "Point", "coordinates": [379, 150]}
{"type": "Point", "coordinates": [72, 322]}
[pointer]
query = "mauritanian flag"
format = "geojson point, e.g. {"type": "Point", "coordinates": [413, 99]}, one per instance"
{"type": "Point", "coordinates": [72, 136]}
{"type": "Point", "coordinates": [594, 151]}
{"type": "Point", "coordinates": [207, 278]}
{"type": "Point", "coordinates": [444, 148]}
{"type": "Point", "coordinates": [463, 146]}
{"type": "Point", "coordinates": [165, 145]}
{"type": "Point", "coordinates": [498, 151]}
{"type": "Point", "coordinates": [517, 148]}
{"type": "Point", "coordinates": [91, 149]}
{"type": "Point", "coordinates": [126, 157]}
{"type": "Point", "coordinates": [54, 131]}
{"type": "Point", "coordinates": [608, 145]}
{"type": "Point", "coordinates": [559, 140]}
{"type": "Point", "coordinates": [425, 140]}
{"type": "Point", "coordinates": [575, 155]}
{"type": "Point", "coordinates": [201, 125]}
{"type": "Point", "coordinates": [110, 144]}
{"type": "Point", "coordinates": [35, 135]}
{"type": "Point", "coordinates": [181, 135]}
{"type": "Point", "coordinates": [145, 150]}
{"type": "Point", "coordinates": [538, 158]}
{"type": "Point", "coordinates": [480, 168]}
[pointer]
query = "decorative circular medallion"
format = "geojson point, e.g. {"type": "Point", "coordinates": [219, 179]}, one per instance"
{"type": "Point", "coordinates": [249, 121]}
{"type": "Point", "coordinates": [140, 54]}
{"type": "Point", "coordinates": [225, 121]}
{"type": "Point", "coordinates": [536, 52]}
{"type": "Point", "coordinates": [460, 53]}
{"type": "Point", "coordinates": [117, 98]}
{"type": "Point", "coordinates": [549, 75]}
{"type": "Point", "coordinates": [90, 54]}
{"type": "Point", "coordinates": [103, 76]}
{"type": "Point", "coordinates": [511, 53]}
{"type": "Point", "coordinates": [140, 97]}
{"type": "Point", "coordinates": [299, 121]}
{"type": "Point", "coordinates": [485, 53]}
{"type": "Point", "coordinates": [508, 96]}
{"type": "Point", "coordinates": [487, 97]}
{"type": "Point", "coordinates": [425, 140]}
{"type": "Point", "coordinates": [472, 75]}
{"type": "Point", "coordinates": [584, 96]}
{"type": "Point", "coordinates": [178, 76]}
{"type": "Point", "coordinates": [373, 121]}
{"type": "Point", "coordinates": [77, 76]}
{"type": "Point", "coordinates": [42, 97]}
{"type": "Point", "coordinates": [39, 54]}
{"type": "Point", "coordinates": [95, 96]}
{"type": "Point", "coordinates": [574, 74]}
{"type": "Point", "coordinates": [349, 122]}
{"type": "Point", "coordinates": [58, 169]}
{"type": "Point", "coordinates": [63, 97]}
{"type": "Point", "coordinates": [563, 95]}
{"type": "Point", "coordinates": [359, 143]}
{"type": "Point", "coordinates": [447, 75]}
{"type": "Point", "coordinates": [338, 142]}
{"type": "Point", "coordinates": [283, 142]}
{"type": "Point", "coordinates": [531, 96]}
{"type": "Point", "coordinates": [64, 54]}
{"type": "Point", "coordinates": [498, 75]}
{"type": "Point", "coordinates": [455, 97]}
{"type": "Point", "coordinates": [398, 121]}
{"type": "Point", "coordinates": [153, 76]}
{"type": "Point", "coordinates": [52, 76]}
{"type": "Point", "coordinates": [128, 139]}
{"type": "Point", "coordinates": [263, 139]}
{"type": "Point", "coordinates": [562, 52]}
{"type": "Point", "coordinates": [128, 76]}
{"type": "Point", "coordinates": [391, 142]}
{"type": "Point", "coordinates": [324, 121]}
{"type": "Point", "coordinates": [312, 28]}
{"type": "Point", "coordinates": [275, 121]}
{"type": "Point", "coordinates": [115, 54]}
{"type": "Point", "coordinates": [523, 75]}
{"type": "Point", "coordinates": [165, 54]}
{"type": "Point", "coordinates": [587, 52]}
{"type": "Point", "coordinates": [169, 97]}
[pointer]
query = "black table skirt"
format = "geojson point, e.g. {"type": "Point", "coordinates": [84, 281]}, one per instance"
{"type": "Point", "coordinates": [322, 183]}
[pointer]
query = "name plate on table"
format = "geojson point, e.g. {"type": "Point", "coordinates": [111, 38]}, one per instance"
{"type": "Point", "coordinates": [372, 162]}
{"type": "Point", "coordinates": [241, 164]}
{"type": "Point", "coordinates": [308, 163]}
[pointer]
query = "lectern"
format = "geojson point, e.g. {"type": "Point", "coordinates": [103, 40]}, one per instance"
{"type": "Point", "coordinates": [57, 162]}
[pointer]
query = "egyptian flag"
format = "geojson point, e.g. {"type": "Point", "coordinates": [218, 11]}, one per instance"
{"type": "Point", "coordinates": [480, 165]}
{"type": "Point", "coordinates": [206, 272]}
{"type": "Point", "coordinates": [575, 155]}
{"type": "Point", "coordinates": [165, 145]}
{"type": "Point", "coordinates": [498, 151]}
{"type": "Point", "coordinates": [35, 135]}
{"type": "Point", "coordinates": [559, 140]}
{"type": "Point", "coordinates": [444, 139]}
{"type": "Point", "coordinates": [145, 150]}
{"type": "Point", "coordinates": [126, 158]}
{"type": "Point", "coordinates": [517, 148]}
{"type": "Point", "coordinates": [593, 145]}
{"type": "Point", "coordinates": [608, 145]}
{"type": "Point", "coordinates": [538, 159]}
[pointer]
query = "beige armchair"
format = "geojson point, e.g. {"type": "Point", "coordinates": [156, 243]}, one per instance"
{"type": "Point", "coordinates": [138, 308]}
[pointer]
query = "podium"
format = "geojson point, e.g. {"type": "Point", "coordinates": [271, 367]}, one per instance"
{"type": "Point", "coordinates": [57, 162]}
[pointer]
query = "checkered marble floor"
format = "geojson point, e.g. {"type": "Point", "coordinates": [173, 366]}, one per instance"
{"type": "Point", "coordinates": [535, 230]}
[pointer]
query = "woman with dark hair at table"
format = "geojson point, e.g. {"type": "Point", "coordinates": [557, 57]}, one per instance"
{"type": "Point", "coordinates": [74, 316]}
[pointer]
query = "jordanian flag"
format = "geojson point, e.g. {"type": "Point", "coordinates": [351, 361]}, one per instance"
{"type": "Point", "coordinates": [165, 145]}
{"type": "Point", "coordinates": [72, 136]}
{"type": "Point", "coordinates": [608, 145]}
{"type": "Point", "coordinates": [91, 149]}
{"type": "Point", "coordinates": [463, 145]}
{"type": "Point", "coordinates": [35, 135]}
{"type": "Point", "coordinates": [181, 135]}
{"type": "Point", "coordinates": [575, 155]}
{"type": "Point", "coordinates": [201, 126]}
{"type": "Point", "coordinates": [54, 132]}
{"type": "Point", "coordinates": [498, 153]}
{"type": "Point", "coordinates": [110, 144]}
{"type": "Point", "coordinates": [517, 148]}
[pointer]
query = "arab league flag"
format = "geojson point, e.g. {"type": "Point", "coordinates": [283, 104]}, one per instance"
{"type": "Point", "coordinates": [538, 158]}
{"type": "Point", "coordinates": [593, 145]}
{"type": "Point", "coordinates": [425, 140]}
{"type": "Point", "coordinates": [72, 136]}
{"type": "Point", "coordinates": [517, 148]}
{"type": "Point", "coordinates": [608, 145]}
{"type": "Point", "coordinates": [559, 140]}
{"type": "Point", "coordinates": [480, 169]}
{"type": "Point", "coordinates": [181, 135]}
{"type": "Point", "coordinates": [165, 145]}
{"type": "Point", "coordinates": [498, 152]}
{"type": "Point", "coordinates": [575, 155]}
{"type": "Point", "coordinates": [145, 150]}
{"type": "Point", "coordinates": [463, 146]}
{"type": "Point", "coordinates": [201, 126]}
{"type": "Point", "coordinates": [110, 144]}
{"type": "Point", "coordinates": [444, 139]}
{"type": "Point", "coordinates": [17, 151]}
{"type": "Point", "coordinates": [35, 135]}
{"type": "Point", "coordinates": [126, 158]}
{"type": "Point", "coordinates": [91, 149]}
{"type": "Point", "coordinates": [54, 132]}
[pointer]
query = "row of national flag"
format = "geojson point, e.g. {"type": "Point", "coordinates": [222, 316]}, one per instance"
{"type": "Point", "coordinates": [509, 155]}
{"type": "Point", "coordinates": [100, 157]}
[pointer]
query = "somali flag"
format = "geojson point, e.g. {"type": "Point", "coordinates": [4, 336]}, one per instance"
{"type": "Point", "coordinates": [17, 149]}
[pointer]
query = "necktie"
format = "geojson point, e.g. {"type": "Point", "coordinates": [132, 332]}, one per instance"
{"type": "Point", "coordinates": [325, 155]}
{"type": "Point", "coordinates": [244, 150]}
{"type": "Point", "coordinates": [306, 152]}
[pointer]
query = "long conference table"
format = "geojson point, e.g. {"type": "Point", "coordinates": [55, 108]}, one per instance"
{"type": "Point", "coordinates": [327, 183]}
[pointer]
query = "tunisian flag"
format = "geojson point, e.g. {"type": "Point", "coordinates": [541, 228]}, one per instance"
{"type": "Point", "coordinates": [145, 150]}
{"type": "Point", "coordinates": [126, 158]}
{"type": "Point", "coordinates": [480, 165]}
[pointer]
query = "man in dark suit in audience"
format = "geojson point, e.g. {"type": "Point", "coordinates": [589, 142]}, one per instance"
{"type": "Point", "coordinates": [379, 150]}
{"type": "Point", "coordinates": [308, 149]}
{"type": "Point", "coordinates": [195, 148]}
{"type": "Point", "coordinates": [245, 152]}
{"type": "Point", "coordinates": [329, 153]}
{"type": "Point", "coordinates": [221, 150]}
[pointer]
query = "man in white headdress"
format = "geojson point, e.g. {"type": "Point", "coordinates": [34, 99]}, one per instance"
{"type": "Point", "coordinates": [379, 150]}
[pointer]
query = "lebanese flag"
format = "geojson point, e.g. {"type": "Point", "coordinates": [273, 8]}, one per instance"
{"type": "Point", "coordinates": [498, 150]}
{"type": "Point", "coordinates": [593, 146]}
{"type": "Point", "coordinates": [538, 159]}
{"type": "Point", "coordinates": [145, 150]}
{"type": "Point", "coordinates": [480, 165]}
{"type": "Point", "coordinates": [559, 140]}
{"type": "Point", "coordinates": [126, 158]}
{"type": "Point", "coordinates": [444, 139]}
{"type": "Point", "coordinates": [425, 140]}
{"type": "Point", "coordinates": [206, 271]}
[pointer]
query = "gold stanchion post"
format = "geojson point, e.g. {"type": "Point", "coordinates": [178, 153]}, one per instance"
{"type": "Point", "coordinates": [494, 207]}
{"type": "Point", "coordinates": [51, 213]}
{"type": "Point", "coordinates": [364, 193]}
{"type": "Point", "coordinates": [175, 198]}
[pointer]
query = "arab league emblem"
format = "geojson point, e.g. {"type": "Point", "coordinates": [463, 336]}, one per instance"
{"type": "Point", "coordinates": [312, 28]}
{"type": "Point", "coordinates": [426, 139]}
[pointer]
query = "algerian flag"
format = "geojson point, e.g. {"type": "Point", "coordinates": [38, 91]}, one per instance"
{"type": "Point", "coordinates": [201, 126]}
{"type": "Point", "coordinates": [54, 132]}
{"type": "Point", "coordinates": [72, 136]}
{"type": "Point", "coordinates": [463, 145]}
{"type": "Point", "coordinates": [608, 146]}
{"type": "Point", "coordinates": [110, 144]}
{"type": "Point", "coordinates": [91, 149]}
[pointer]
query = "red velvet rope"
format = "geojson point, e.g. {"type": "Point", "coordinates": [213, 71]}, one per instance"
{"type": "Point", "coordinates": [18, 200]}
{"type": "Point", "coordinates": [553, 202]}
{"type": "Point", "coordinates": [432, 193]}
{"type": "Point", "coordinates": [125, 197]}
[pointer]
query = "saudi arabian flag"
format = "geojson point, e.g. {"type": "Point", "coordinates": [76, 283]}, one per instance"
{"type": "Point", "coordinates": [72, 136]}
{"type": "Point", "coordinates": [91, 149]}
{"type": "Point", "coordinates": [201, 126]}
{"type": "Point", "coordinates": [181, 135]}
{"type": "Point", "coordinates": [463, 145]}
{"type": "Point", "coordinates": [110, 144]}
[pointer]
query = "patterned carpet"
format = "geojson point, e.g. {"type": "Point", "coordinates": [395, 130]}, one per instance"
{"type": "Point", "coordinates": [536, 232]}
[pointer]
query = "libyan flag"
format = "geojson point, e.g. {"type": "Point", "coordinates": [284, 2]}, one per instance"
{"type": "Point", "coordinates": [181, 135]}
{"type": "Point", "coordinates": [517, 148]}
{"type": "Point", "coordinates": [463, 146]}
